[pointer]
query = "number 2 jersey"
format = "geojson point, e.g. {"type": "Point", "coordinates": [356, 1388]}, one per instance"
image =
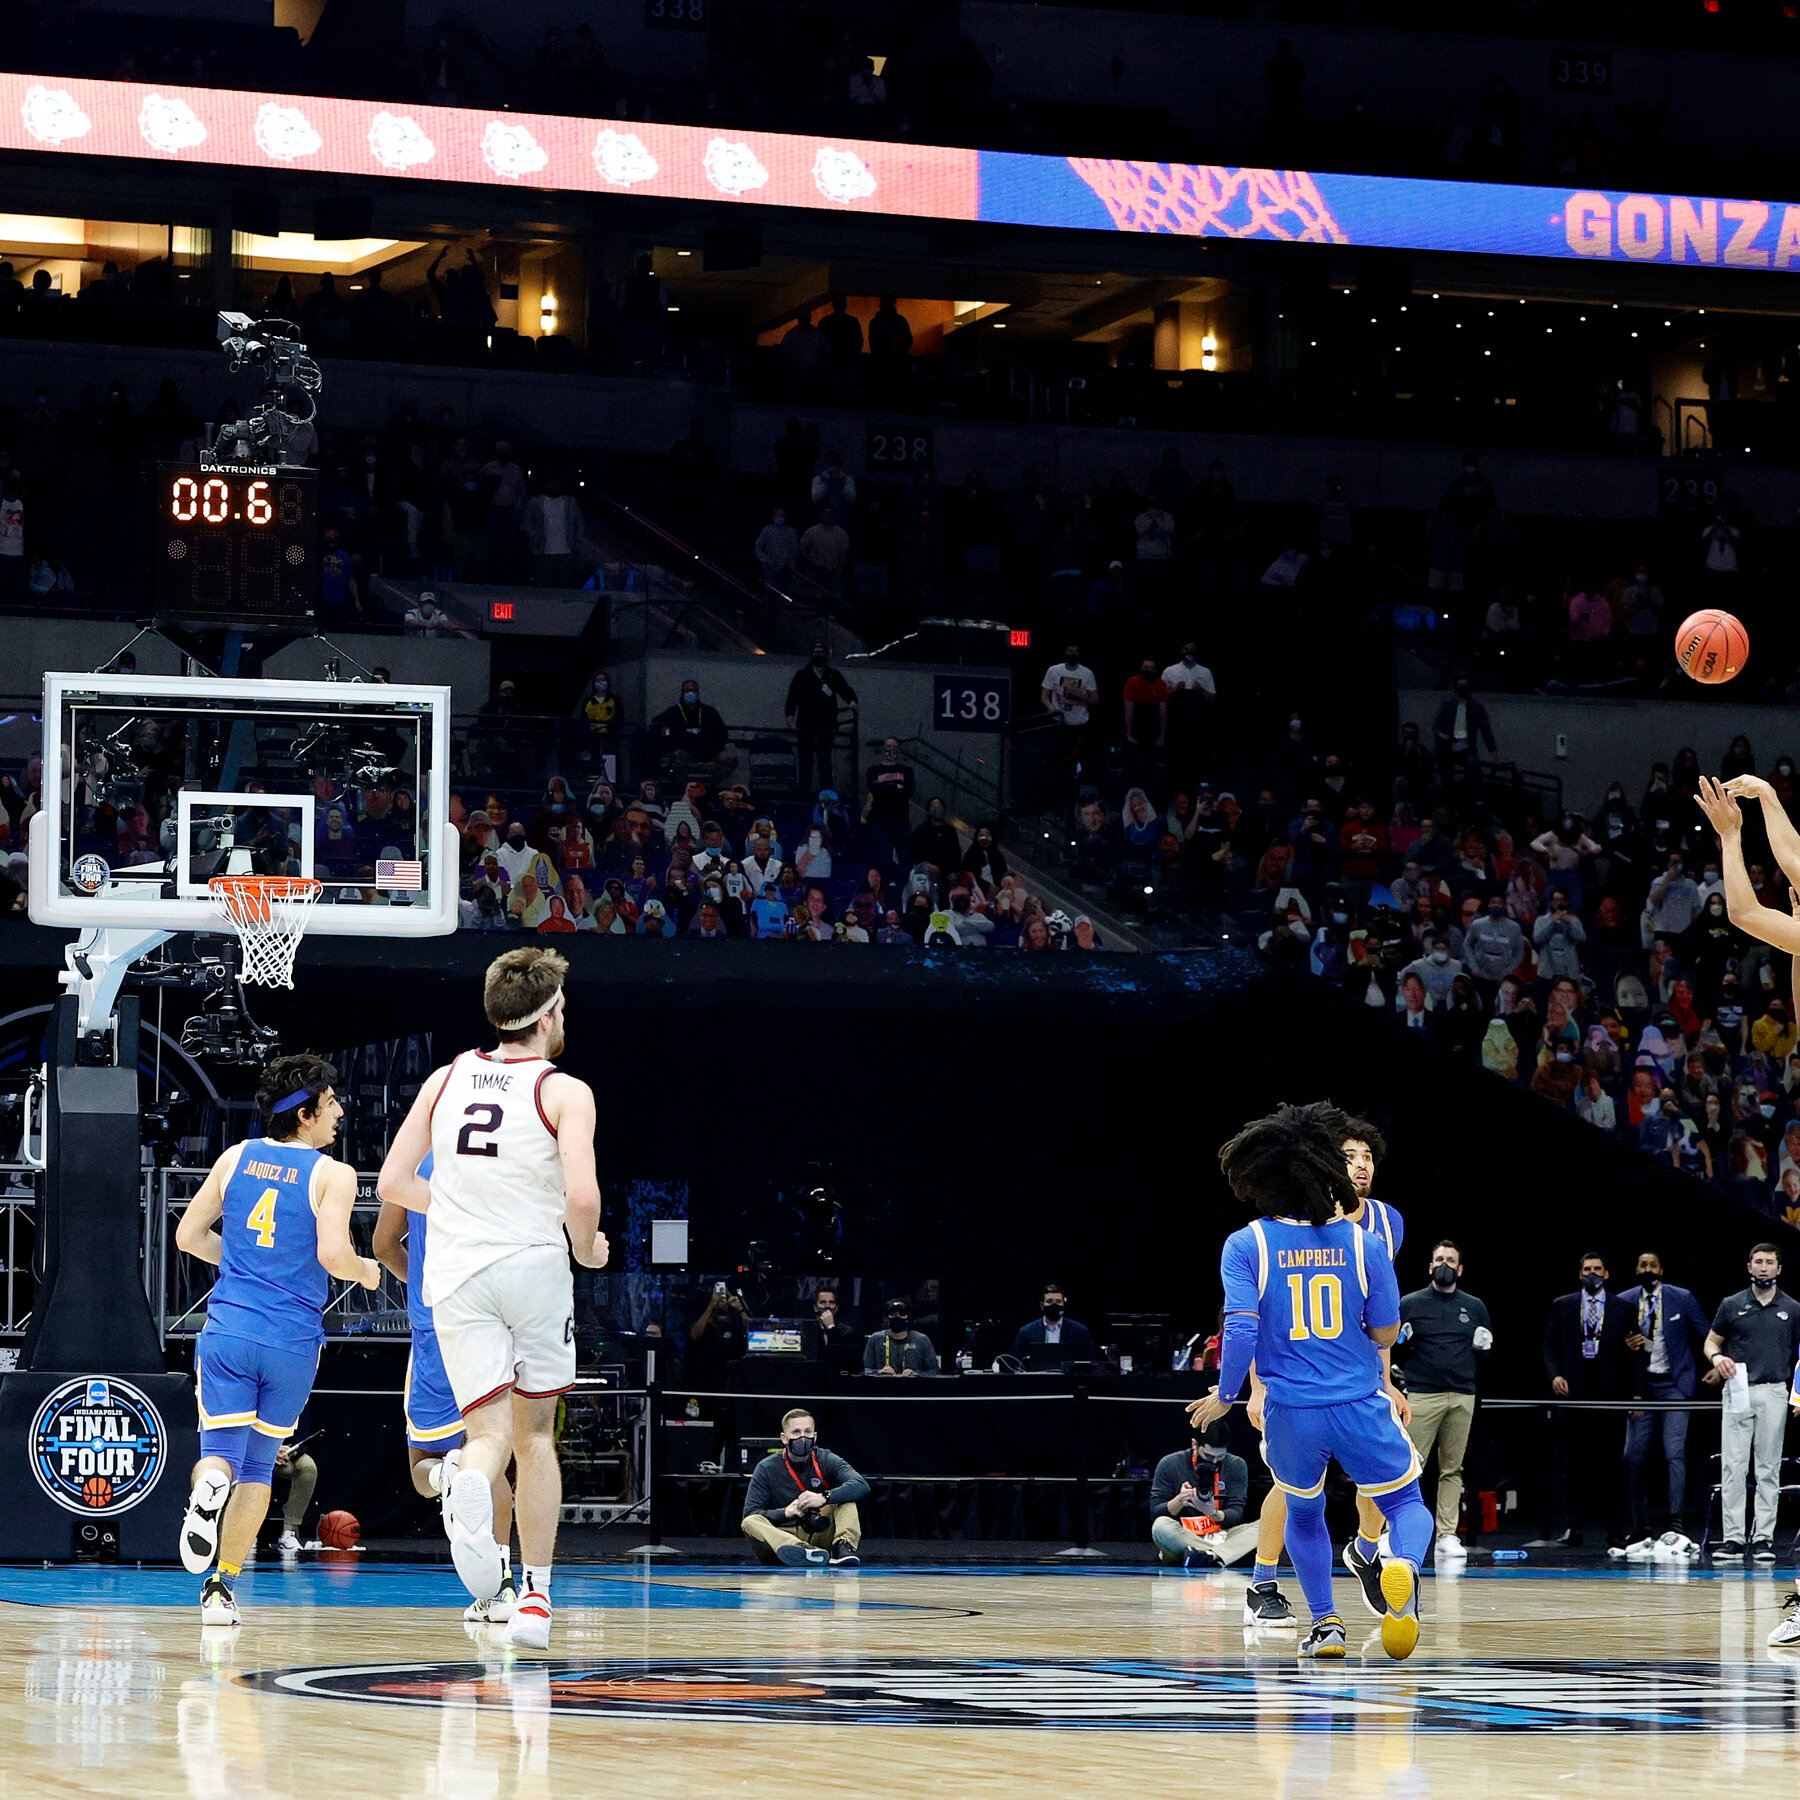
{"type": "Point", "coordinates": [271, 1287]}
{"type": "Point", "coordinates": [1313, 1289]}
{"type": "Point", "coordinates": [496, 1176]}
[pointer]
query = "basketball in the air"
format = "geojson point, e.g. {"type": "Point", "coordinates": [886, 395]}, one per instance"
{"type": "Point", "coordinates": [1711, 646]}
{"type": "Point", "coordinates": [339, 1530]}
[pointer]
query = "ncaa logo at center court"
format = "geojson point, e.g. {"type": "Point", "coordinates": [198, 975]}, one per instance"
{"type": "Point", "coordinates": [97, 1446]}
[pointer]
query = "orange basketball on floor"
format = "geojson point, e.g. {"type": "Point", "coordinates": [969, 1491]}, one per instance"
{"type": "Point", "coordinates": [1711, 646]}
{"type": "Point", "coordinates": [97, 1491]}
{"type": "Point", "coordinates": [339, 1530]}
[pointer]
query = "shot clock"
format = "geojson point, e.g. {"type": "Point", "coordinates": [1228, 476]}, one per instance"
{"type": "Point", "coordinates": [236, 543]}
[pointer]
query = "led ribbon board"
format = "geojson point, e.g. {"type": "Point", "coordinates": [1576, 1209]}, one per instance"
{"type": "Point", "coordinates": [239, 130]}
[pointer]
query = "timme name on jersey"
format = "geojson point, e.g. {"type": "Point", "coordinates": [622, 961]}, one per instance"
{"type": "Point", "coordinates": [496, 1178]}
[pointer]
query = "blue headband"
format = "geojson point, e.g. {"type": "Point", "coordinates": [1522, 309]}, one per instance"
{"type": "Point", "coordinates": [298, 1099]}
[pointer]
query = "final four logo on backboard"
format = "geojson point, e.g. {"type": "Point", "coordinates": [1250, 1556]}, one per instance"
{"type": "Point", "coordinates": [97, 1446]}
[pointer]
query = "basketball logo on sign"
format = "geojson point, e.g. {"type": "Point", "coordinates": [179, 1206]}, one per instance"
{"type": "Point", "coordinates": [97, 1447]}
{"type": "Point", "coordinates": [90, 873]}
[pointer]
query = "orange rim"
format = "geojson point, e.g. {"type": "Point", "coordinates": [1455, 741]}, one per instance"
{"type": "Point", "coordinates": [249, 897]}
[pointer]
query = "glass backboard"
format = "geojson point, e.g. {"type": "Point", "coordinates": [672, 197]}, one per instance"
{"type": "Point", "coordinates": [154, 784]}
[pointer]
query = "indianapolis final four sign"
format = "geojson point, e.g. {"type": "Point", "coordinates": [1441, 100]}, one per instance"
{"type": "Point", "coordinates": [97, 1446]}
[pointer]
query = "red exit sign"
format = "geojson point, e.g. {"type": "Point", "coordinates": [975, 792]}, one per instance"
{"type": "Point", "coordinates": [500, 611]}
{"type": "Point", "coordinates": [1020, 640]}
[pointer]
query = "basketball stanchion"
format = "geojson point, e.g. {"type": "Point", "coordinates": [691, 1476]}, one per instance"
{"type": "Point", "coordinates": [653, 1460]}
{"type": "Point", "coordinates": [1081, 1521]}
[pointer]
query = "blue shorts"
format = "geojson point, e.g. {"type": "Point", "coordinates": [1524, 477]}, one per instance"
{"type": "Point", "coordinates": [434, 1421]}
{"type": "Point", "coordinates": [1366, 1437]}
{"type": "Point", "coordinates": [250, 1397]}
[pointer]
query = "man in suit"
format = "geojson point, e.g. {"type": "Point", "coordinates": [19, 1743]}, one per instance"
{"type": "Point", "coordinates": [1585, 1358]}
{"type": "Point", "coordinates": [1053, 1326]}
{"type": "Point", "coordinates": [1665, 1345]}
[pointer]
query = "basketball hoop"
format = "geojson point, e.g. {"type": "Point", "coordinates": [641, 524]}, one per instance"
{"type": "Point", "coordinates": [268, 913]}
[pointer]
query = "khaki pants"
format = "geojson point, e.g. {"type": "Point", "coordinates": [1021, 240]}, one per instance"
{"type": "Point", "coordinates": [1753, 1436]}
{"type": "Point", "coordinates": [823, 1527]}
{"type": "Point", "coordinates": [1443, 1421]}
{"type": "Point", "coordinates": [1173, 1540]}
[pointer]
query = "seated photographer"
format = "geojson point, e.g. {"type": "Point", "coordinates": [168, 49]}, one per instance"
{"type": "Point", "coordinates": [801, 1507]}
{"type": "Point", "coordinates": [1197, 1499]}
{"type": "Point", "coordinates": [899, 1350]}
{"type": "Point", "coordinates": [1053, 1327]}
{"type": "Point", "coordinates": [291, 1482]}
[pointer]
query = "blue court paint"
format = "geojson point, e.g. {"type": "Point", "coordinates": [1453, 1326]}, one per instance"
{"type": "Point", "coordinates": [671, 1587]}
{"type": "Point", "coordinates": [368, 1582]}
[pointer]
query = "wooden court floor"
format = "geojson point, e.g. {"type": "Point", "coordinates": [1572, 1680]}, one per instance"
{"type": "Point", "coordinates": [358, 1677]}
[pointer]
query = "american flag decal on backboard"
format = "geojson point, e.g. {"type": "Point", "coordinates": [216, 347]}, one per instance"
{"type": "Point", "coordinates": [399, 875]}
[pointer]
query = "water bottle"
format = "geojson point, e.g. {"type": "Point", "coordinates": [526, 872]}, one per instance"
{"type": "Point", "coordinates": [1512, 1556]}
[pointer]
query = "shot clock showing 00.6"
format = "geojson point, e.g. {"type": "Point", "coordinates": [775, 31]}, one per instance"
{"type": "Point", "coordinates": [237, 544]}
{"type": "Point", "coordinates": [212, 500]}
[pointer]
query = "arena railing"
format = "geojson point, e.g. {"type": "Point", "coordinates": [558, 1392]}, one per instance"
{"type": "Point", "coordinates": [1081, 1394]}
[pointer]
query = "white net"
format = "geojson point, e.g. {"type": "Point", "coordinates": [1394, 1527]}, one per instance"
{"type": "Point", "coordinates": [268, 913]}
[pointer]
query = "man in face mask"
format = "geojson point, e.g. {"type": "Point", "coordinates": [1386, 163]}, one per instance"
{"type": "Point", "coordinates": [516, 855]}
{"type": "Point", "coordinates": [1493, 947]}
{"type": "Point", "coordinates": [1054, 1331]}
{"type": "Point", "coordinates": [778, 549]}
{"type": "Point", "coordinates": [1668, 1354]}
{"type": "Point", "coordinates": [689, 733]}
{"type": "Point", "coordinates": [1730, 1014]}
{"type": "Point", "coordinates": [1585, 1358]}
{"type": "Point", "coordinates": [936, 842]}
{"type": "Point", "coordinates": [800, 1510]}
{"type": "Point", "coordinates": [899, 1350]}
{"type": "Point", "coordinates": [1443, 1334]}
{"type": "Point", "coordinates": [1437, 969]}
{"type": "Point", "coordinates": [1751, 1349]}
{"type": "Point", "coordinates": [1197, 1499]}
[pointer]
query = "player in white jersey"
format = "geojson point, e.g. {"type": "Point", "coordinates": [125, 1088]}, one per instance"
{"type": "Point", "coordinates": [512, 1192]}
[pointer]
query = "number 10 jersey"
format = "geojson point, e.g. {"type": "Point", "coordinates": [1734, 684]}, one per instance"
{"type": "Point", "coordinates": [496, 1176]}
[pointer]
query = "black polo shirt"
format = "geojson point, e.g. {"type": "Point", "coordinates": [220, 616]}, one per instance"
{"type": "Point", "coordinates": [1439, 1353]}
{"type": "Point", "coordinates": [1762, 1338]}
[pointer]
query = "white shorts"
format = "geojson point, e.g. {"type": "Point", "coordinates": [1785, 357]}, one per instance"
{"type": "Point", "coordinates": [510, 1325]}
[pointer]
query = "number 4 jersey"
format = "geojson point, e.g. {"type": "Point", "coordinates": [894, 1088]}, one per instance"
{"type": "Point", "coordinates": [496, 1177]}
{"type": "Point", "coordinates": [1313, 1288]}
{"type": "Point", "coordinates": [272, 1287]}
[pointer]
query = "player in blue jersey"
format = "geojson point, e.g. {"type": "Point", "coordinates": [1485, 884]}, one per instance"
{"type": "Point", "coordinates": [1264, 1603]}
{"type": "Point", "coordinates": [1313, 1304]}
{"type": "Point", "coordinates": [434, 1423]}
{"type": "Point", "coordinates": [274, 1216]}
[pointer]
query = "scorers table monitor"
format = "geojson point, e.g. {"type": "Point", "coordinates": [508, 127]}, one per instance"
{"type": "Point", "coordinates": [236, 543]}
